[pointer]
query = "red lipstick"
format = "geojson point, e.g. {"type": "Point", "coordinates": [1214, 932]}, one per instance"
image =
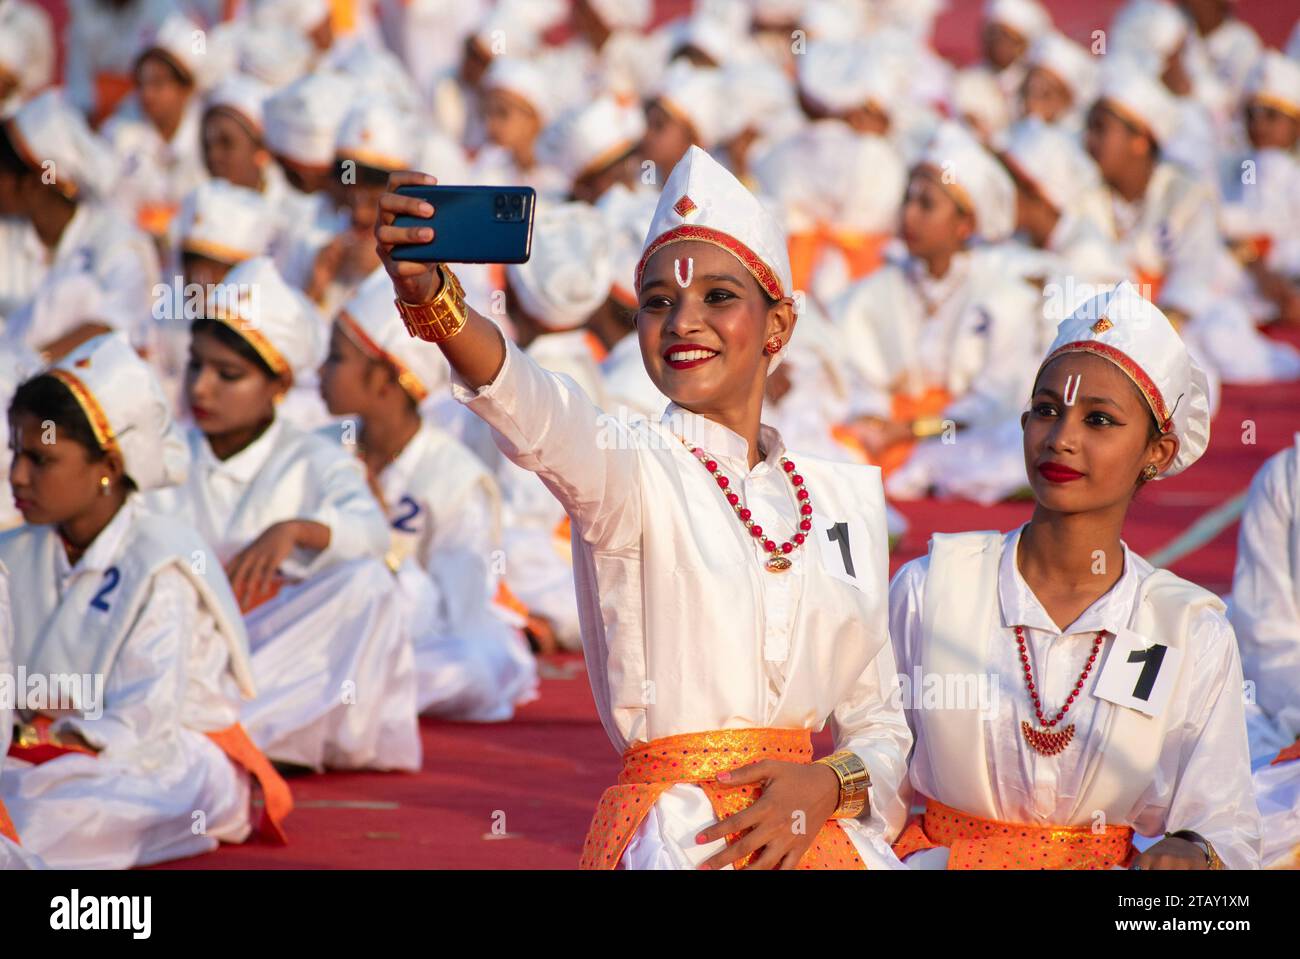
{"type": "Point", "coordinates": [1058, 473]}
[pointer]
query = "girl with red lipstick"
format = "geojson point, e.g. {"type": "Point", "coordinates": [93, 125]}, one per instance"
{"type": "Point", "coordinates": [731, 592]}
{"type": "Point", "coordinates": [1119, 708]}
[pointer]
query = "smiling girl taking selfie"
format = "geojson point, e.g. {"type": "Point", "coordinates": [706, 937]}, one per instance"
{"type": "Point", "coordinates": [731, 591]}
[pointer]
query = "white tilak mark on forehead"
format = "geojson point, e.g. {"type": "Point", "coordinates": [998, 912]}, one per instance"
{"type": "Point", "coordinates": [690, 271]}
{"type": "Point", "coordinates": [1075, 379]}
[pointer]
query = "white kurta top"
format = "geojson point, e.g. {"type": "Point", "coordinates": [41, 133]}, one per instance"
{"type": "Point", "coordinates": [1202, 779]}
{"type": "Point", "coordinates": [965, 332]}
{"type": "Point", "coordinates": [284, 474]}
{"type": "Point", "coordinates": [684, 631]}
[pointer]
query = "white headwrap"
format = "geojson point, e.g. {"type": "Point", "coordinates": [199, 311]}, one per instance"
{"type": "Point", "coordinates": [303, 119]}
{"type": "Point", "coordinates": [275, 55]}
{"type": "Point", "coordinates": [570, 272]}
{"type": "Point", "coordinates": [185, 44]}
{"type": "Point", "coordinates": [1275, 81]}
{"type": "Point", "coordinates": [524, 80]}
{"type": "Point", "coordinates": [277, 321]}
{"type": "Point", "coordinates": [695, 96]}
{"type": "Point", "coordinates": [1026, 17]}
{"type": "Point", "coordinates": [592, 136]}
{"type": "Point", "coordinates": [376, 134]}
{"type": "Point", "coordinates": [1052, 160]}
{"type": "Point", "coordinates": [703, 201]}
{"type": "Point", "coordinates": [49, 130]}
{"type": "Point", "coordinates": [1129, 331]}
{"type": "Point", "coordinates": [127, 409]}
{"type": "Point", "coordinates": [976, 180]}
{"type": "Point", "coordinates": [225, 222]}
{"type": "Point", "coordinates": [244, 97]}
{"type": "Point", "coordinates": [371, 321]}
{"type": "Point", "coordinates": [1070, 63]}
{"type": "Point", "coordinates": [623, 14]}
{"type": "Point", "coordinates": [1140, 99]}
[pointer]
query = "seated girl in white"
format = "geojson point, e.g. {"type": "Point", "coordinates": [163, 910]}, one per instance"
{"type": "Point", "coordinates": [301, 537]}
{"type": "Point", "coordinates": [1116, 702]}
{"type": "Point", "coordinates": [152, 765]}
{"type": "Point", "coordinates": [1265, 611]}
{"type": "Point", "coordinates": [444, 509]}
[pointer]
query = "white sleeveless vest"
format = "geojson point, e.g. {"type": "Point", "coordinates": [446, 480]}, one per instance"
{"type": "Point", "coordinates": [955, 639]}
{"type": "Point", "coordinates": [83, 631]}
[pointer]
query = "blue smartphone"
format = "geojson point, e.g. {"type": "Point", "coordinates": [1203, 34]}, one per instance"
{"type": "Point", "coordinates": [471, 224]}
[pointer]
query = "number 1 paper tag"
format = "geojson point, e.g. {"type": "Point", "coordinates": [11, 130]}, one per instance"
{"type": "Point", "coordinates": [1138, 674]}
{"type": "Point", "coordinates": [841, 544]}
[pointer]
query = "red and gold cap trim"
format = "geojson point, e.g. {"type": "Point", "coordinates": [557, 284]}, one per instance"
{"type": "Point", "coordinates": [254, 338]}
{"type": "Point", "coordinates": [763, 273]}
{"type": "Point", "coordinates": [1280, 104]}
{"type": "Point", "coordinates": [216, 251]}
{"type": "Point", "coordinates": [407, 380]}
{"type": "Point", "coordinates": [95, 414]}
{"type": "Point", "coordinates": [1146, 386]}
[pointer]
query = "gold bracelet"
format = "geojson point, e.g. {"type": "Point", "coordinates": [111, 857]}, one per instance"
{"type": "Point", "coordinates": [1212, 859]}
{"type": "Point", "coordinates": [927, 426]}
{"type": "Point", "coordinates": [441, 319]}
{"type": "Point", "coordinates": [855, 780]}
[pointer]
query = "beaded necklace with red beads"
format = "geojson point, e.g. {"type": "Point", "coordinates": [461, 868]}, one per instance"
{"type": "Point", "coordinates": [1049, 741]}
{"type": "Point", "coordinates": [778, 561]}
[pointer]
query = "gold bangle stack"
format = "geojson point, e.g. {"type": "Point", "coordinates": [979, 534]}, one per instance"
{"type": "Point", "coordinates": [855, 781]}
{"type": "Point", "coordinates": [441, 319]}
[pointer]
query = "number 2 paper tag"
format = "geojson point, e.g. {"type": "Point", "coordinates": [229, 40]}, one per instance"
{"type": "Point", "coordinates": [841, 545]}
{"type": "Point", "coordinates": [1138, 674]}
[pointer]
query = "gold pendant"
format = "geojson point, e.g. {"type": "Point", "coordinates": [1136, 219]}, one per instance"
{"type": "Point", "coordinates": [1045, 742]}
{"type": "Point", "coordinates": [778, 564]}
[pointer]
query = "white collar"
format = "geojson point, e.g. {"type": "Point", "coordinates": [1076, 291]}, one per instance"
{"type": "Point", "coordinates": [103, 551]}
{"type": "Point", "coordinates": [1111, 611]}
{"type": "Point", "coordinates": [719, 441]}
{"type": "Point", "coordinates": [245, 464]}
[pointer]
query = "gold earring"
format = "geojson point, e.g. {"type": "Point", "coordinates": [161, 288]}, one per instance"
{"type": "Point", "coordinates": [279, 398]}
{"type": "Point", "coordinates": [105, 486]}
{"type": "Point", "coordinates": [1149, 472]}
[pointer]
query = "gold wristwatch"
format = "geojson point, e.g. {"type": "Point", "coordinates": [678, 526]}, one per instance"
{"type": "Point", "coordinates": [440, 319]}
{"type": "Point", "coordinates": [855, 781]}
{"type": "Point", "coordinates": [1212, 859]}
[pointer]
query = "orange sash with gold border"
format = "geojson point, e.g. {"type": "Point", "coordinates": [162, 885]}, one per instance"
{"type": "Point", "coordinates": [976, 843]}
{"type": "Point", "coordinates": [650, 768]}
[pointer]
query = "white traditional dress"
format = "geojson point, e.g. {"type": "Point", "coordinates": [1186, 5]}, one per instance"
{"type": "Point", "coordinates": [1265, 610]}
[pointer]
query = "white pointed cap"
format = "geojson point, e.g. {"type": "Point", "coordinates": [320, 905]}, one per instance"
{"type": "Point", "coordinates": [126, 408]}
{"type": "Point", "coordinates": [1124, 328]}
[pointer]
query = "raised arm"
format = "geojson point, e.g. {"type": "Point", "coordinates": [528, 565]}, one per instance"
{"type": "Point", "coordinates": [543, 420]}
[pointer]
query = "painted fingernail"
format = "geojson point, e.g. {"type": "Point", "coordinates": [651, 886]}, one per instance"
{"type": "Point", "coordinates": [426, 234]}
{"type": "Point", "coordinates": [426, 210]}
{"type": "Point", "coordinates": [700, 838]}
{"type": "Point", "coordinates": [724, 776]}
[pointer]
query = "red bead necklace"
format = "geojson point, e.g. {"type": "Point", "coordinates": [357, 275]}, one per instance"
{"type": "Point", "coordinates": [779, 560]}
{"type": "Point", "coordinates": [1050, 741]}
